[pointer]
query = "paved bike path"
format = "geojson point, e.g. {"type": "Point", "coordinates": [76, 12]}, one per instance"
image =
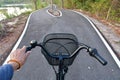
{"type": "Point", "coordinates": [84, 66]}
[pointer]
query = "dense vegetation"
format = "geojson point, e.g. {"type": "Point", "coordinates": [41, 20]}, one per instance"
{"type": "Point", "coordinates": [39, 3]}
{"type": "Point", "coordinates": [107, 9]}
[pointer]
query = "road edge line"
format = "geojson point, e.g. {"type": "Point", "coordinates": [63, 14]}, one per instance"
{"type": "Point", "coordinates": [19, 40]}
{"type": "Point", "coordinates": [102, 38]}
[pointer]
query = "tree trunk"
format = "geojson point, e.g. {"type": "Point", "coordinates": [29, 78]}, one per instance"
{"type": "Point", "coordinates": [109, 10]}
{"type": "Point", "coordinates": [62, 3]}
{"type": "Point", "coordinates": [108, 13]}
{"type": "Point", "coordinates": [52, 4]}
{"type": "Point", "coordinates": [35, 4]}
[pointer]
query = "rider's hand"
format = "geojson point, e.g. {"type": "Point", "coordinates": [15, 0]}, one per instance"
{"type": "Point", "coordinates": [18, 57]}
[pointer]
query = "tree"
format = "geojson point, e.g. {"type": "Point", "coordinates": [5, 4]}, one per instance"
{"type": "Point", "coordinates": [113, 10]}
{"type": "Point", "coordinates": [35, 4]}
{"type": "Point", "coordinates": [62, 3]}
{"type": "Point", "coordinates": [109, 10]}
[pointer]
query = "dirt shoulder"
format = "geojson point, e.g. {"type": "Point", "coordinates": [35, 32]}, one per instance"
{"type": "Point", "coordinates": [14, 28]}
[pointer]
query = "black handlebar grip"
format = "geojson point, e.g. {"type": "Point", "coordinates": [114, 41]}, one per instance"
{"type": "Point", "coordinates": [28, 49]}
{"type": "Point", "coordinates": [100, 59]}
{"type": "Point", "coordinates": [95, 54]}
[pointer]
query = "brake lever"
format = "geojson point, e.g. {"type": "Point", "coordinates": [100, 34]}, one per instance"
{"type": "Point", "coordinates": [94, 53]}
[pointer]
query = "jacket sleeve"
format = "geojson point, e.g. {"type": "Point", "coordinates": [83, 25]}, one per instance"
{"type": "Point", "coordinates": [6, 72]}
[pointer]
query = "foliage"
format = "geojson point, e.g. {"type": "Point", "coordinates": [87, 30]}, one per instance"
{"type": "Point", "coordinates": [39, 4]}
{"type": "Point", "coordinates": [26, 13]}
{"type": "Point", "coordinates": [107, 9]}
{"type": "Point", "coordinates": [6, 14]}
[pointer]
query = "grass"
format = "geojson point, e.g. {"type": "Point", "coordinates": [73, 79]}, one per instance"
{"type": "Point", "coordinates": [27, 13]}
{"type": "Point", "coordinates": [8, 16]}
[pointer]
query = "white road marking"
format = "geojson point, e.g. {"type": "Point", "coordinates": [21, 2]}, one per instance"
{"type": "Point", "coordinates": [102, 38]}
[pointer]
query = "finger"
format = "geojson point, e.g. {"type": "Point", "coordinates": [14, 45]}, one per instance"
{"type": "Point", "coordinates": [23, 48]}
{"type": "Point", "coordinates": [28, 53]}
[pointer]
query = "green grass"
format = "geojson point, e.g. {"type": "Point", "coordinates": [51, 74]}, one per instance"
{"type": "Point", "coordinates": [27, 13]}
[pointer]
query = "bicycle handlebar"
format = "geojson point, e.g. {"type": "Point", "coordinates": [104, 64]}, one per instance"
{"type": "Point", "coordinates": [92, 52]}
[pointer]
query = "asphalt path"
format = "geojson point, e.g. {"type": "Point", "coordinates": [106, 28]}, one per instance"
{"type": "Point", "coordinates": [84, 66]}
